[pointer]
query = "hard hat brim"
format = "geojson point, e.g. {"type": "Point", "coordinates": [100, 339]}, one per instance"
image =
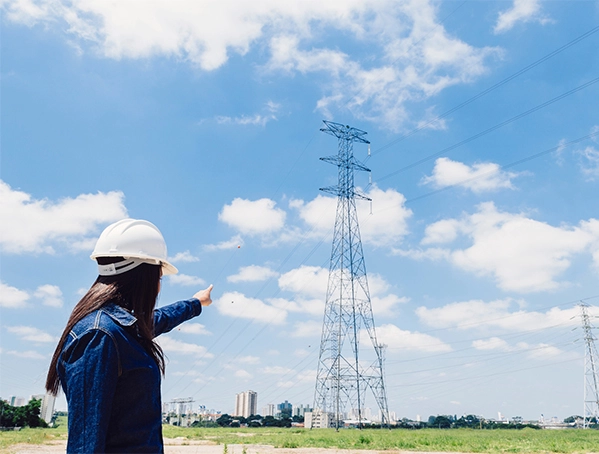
{"type": "Point", "coordinates": [168, 268]}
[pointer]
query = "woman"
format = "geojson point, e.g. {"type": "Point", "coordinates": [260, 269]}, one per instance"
{"type": "Point", "coordinates": [106, 361]}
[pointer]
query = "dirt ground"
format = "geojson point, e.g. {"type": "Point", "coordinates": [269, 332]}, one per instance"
{"type": "Point", "coordinates": [182, 446]}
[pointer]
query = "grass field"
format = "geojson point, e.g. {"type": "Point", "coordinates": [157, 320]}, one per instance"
{"type": "Point", "coordinates": [35, 436]}
{"type": "Point", "coordinates": [456, 440]}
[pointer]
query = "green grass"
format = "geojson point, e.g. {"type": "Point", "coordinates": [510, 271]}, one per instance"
{"type": "Point", "coordinates": [456, 440]}
{"type": "Point", "coordinates": [34, 436]}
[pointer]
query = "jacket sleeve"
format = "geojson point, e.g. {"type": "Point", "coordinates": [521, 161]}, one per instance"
{"type": "Point", "coordinates": [91, 370]}
{"type": "Point", "coordinates": [168, 317]}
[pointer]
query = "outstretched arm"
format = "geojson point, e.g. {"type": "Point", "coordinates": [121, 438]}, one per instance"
{"type": "Point", "coordinates": [169, 317]}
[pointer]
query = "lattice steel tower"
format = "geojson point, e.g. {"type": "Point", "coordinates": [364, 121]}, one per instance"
{"type": "Point", "coordinates": [342, 379]}
{"type": "Point", "coordinates": [591, 369]}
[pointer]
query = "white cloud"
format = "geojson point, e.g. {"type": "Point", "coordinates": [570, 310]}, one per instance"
{"type": "Point", "coordinates": [248, 360]}
{"type": "Point", "coordinates": [444, 231]}
{"type": "Point", "coordinates": [193, 328]}
{"type": "Point", "coordinates": [50, 295]}
{"type": "Point", "coordinates": [29, 333]}
{"type": "Point", "coordinates": [235, 242]}
{"type": "Point", "coordinates": [522, 254]}
{"type": "Point", "coordinates": [252, 120]}
{"type": "Point", "coordinates": [589, 164]}
{"type": "Point", "coordinates": [252, 273]}
{"type": "Point", "coordinates": [185, 280]}
{"type": "Point", "coordinates": [306, 376]}
{"type": "Point", "coordinates": [478, 178]}
{"type": "Point", "coordinates": [235, 304]}
{"type": "Point", "coordinates": [493, 343]}
{"type": "Point", "coordinates": [306, 280]}
{"type": "Point", "coordinates": [171, 345]}
{"type": "Point", "coordinates": [30, 225]}
{"type": "Point", "coordinates": [415, 57]}
{"type": "Point", "coordinates": [243, 374]}
{"type": "Point", "coordinates": [399, 339]}
{"type": "Point", "coordinates": [277, 370]}
{"type": "Point", "coordinates": [386, 226]}
{"type": "Point", "coordinates": [481, 315]}
{"type": "Point", "coordinates": [253, 217]}
{"type": "Point", "coordinates": [301, 352]}
{"type": "Point", "coordinates": [424, 254]}
{"type": "Point", "coordinates": [185, 257]}
{"type": "Point", "coordinates": [318, 214]}
{"type": "Point", "coordinates": [255, 120]}
{"type": "Point", "coordinates": [385, 305]}
{"type": "Point", "coordinates": [299, 304]}
{"type": "Point", "coordinates": [521, 11]}
{"type": "Point", "coordinates": [309, 283]}
{"type": "Point", "coordinates": [310, 328]}
{"type": "Point", "coordinates": [12, 297]}
{"type": "Point", "coordinates": [418, 59]}
{"type": "Point", "coordinates": [388, 223]}
{"type": "Point", "coordinates": [28, 354]}
{"type": "Point", "coordinates": [539, 351]}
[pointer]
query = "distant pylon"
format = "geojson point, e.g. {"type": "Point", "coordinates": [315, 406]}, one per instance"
{"type": "Point", "coordinates": [591, 370]}
{"type": "Point", "coordinates": [342, 380]}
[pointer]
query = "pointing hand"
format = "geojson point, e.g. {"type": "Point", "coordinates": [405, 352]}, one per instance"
{"type": "Point", "coordinates": [204, 296]}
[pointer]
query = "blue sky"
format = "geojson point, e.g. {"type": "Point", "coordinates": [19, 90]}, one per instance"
{"type": "Point", "coordinates": [204, 117]}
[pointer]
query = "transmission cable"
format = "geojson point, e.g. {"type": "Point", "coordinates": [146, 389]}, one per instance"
{"type": "Point", "coordinates": [491, 129]}
{"type": "Point", "coordinates": [488, 90]}
{"type": "Point", "coordinates": [506, 166]}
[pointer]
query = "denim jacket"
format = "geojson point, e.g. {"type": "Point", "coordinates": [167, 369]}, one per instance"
{"type": "Point", "coordinates": [111, 384]}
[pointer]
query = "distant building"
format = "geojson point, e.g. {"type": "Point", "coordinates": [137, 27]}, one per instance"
{"type": "Point", "coordinates": [318, 420]}
{"type": "Point", "coordinates": [284, 410]}
{"type": "Point", "coordinates": [300, 410]}
{"type": "Point", "coordinates": [366, 414]}
{"type": "Point", "coordinates": [269, 410]}
{"type": "Point", "coordinates": [17, 401]}
{"type": "Point", "coordinates": [47, 410]}
{"type": "Point", "coordinates": [246, 404]}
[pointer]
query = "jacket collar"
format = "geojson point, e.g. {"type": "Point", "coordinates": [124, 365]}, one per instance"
{"type": "Point", "coordinates": [118, 314]}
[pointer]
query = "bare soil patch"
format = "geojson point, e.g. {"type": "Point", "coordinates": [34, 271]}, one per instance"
{"type": "Point", "coordinates": [185, 446]}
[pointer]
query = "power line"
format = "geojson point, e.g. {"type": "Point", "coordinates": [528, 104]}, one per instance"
{"type": "Point", "coordinates": [413, 45]}
{"type": "Point", "coordinates": [504, 81]}
{"type": "Point", "coordinates": [490, 89]}
{"type": "Point", "coordinates": [506, 166]}
{"type": "Point", "coordinates": [536, 155]}
{"type": "Point", "coordinates": [493, 128]}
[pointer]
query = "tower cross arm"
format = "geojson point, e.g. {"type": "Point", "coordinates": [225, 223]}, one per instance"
{"type": "Point", "coordinates": [358, 166]}
{"type": "Point", "coordinates": [357, 195]}
{"type": "Point", "coordinates": [336, 160]}
{"type": "Point", "coordinates": [331, 190]}
{"type": "Point", "coordinates": [344, 132]}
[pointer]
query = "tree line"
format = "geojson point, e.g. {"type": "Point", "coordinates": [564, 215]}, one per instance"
{"type": "Point", "coordinates": [24, 416]}
{"type": "Point", "coordinates": [226, 420]}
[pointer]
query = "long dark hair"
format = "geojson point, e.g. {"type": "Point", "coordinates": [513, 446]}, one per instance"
{"type": "Point", "coordinates": [135, 290]}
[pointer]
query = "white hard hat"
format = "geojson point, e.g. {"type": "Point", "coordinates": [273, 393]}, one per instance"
{"type": "Point", "coordinates": [136, 240]}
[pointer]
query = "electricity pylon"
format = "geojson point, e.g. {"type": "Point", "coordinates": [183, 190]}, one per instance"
{"type": "Point", "coordinates": [591, 370]}
{"type": "Point", "coordinates": [342, 380]}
